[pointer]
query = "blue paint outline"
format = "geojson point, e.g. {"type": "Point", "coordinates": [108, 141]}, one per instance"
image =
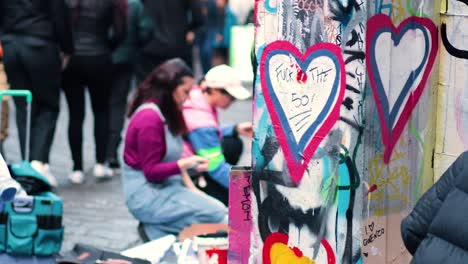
{"type": "Point", "coordinates": [380, 6]}
{"type": "Point", "coordinates": [297, 148]}
{"type": "Point", "coordinates": [269, 8]}
{"type": "Point", "coordinates": [391, 115]}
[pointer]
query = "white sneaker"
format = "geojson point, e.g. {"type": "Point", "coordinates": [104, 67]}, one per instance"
{"type": "Point", "coordinates": [76, 177]}
{"type": "Point", "coordinates": [50, 176]}
{"type": "Point", "coordinates": [102, 172]}
{"type": "Point", "coordinates": [37, 165]}
{"type": "Point", "coordinates": [44, 170]}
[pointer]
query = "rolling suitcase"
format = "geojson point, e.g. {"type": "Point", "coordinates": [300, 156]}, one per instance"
{"type": "Point", "coordinates": [30, 225]}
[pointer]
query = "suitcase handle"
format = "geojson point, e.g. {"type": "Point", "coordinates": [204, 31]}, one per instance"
{"type": "Point", "coordinates": [17, 93]}
{"type": "Point", "coordinates": [28, 95]}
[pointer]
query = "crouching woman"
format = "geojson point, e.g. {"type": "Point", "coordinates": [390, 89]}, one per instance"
{"type": "Point", "coordinates": [156, 185]}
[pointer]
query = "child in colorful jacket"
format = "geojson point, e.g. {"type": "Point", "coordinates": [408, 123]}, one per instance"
{"type": "Point", "coordinates": [220, 89]}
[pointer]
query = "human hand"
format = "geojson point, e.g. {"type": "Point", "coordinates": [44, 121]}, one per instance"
{"type": "Point", "coordinates": [194, 162]}
{"type": "Point", "coordinates": [65, 61]}
{"type": "Point", "coordinates": [187, 181]}
{"type": "Point", "coordinates": [245, 129]}
{"type": "Point", "coordinates": [190, 37]}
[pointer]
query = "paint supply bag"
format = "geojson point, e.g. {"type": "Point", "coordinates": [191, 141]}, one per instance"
{"type": "Point", "coordinates": [32, 225]}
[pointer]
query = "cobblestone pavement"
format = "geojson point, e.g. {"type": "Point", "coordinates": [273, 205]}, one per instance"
{"type": "Point", "coordinates": [95, 213]}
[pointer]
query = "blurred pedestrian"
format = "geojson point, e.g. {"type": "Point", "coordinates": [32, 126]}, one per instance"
{"type": "Point", "coordinates": [98, 27]}
{"type": "Point", "coordinates": [157, 188]}
{"type": "Point", "coordinates": [124, 59]}
{"type": "Point", "coordinates": [206, 34]}
{"type": "Point", "coordinates": [226, 19]}
{"type": "Point", "coordinates": [37, 43]}
{"type": "Point", "coordinates": [174, 24]}
{"type": "Point", "coordinates": [221, 146]}
{"type": "Point", "coordinates": [436, 231]}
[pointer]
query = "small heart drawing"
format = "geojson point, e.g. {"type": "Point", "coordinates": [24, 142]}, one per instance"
{"type": "Point", "coordinates": [399, 61]}
{"type": "Point", "coordinates": [303, 94]}
{"type": "Point", "coordinates": [371, 227]}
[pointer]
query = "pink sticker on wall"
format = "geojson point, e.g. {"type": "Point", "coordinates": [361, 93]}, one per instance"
{"type": "Point", "coordinates": [240, 218]}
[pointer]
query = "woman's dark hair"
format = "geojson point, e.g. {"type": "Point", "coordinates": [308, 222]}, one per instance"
{"type": "Point", "coordinates": [160, 84]}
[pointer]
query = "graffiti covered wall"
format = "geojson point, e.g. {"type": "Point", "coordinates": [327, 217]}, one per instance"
{"type": "Point", "coordinates": [344, 115]}
{"type": "Point", "coordinates": [452, 132]}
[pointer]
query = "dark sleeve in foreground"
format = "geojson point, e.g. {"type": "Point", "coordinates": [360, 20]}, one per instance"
{"type": "Point", "coordinates": [415, 226]}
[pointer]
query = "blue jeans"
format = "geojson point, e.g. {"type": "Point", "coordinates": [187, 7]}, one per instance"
{"type": "Point", "coordinates": [168, 207]}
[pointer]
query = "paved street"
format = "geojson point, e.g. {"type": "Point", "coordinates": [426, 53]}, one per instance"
{"type": "Point", "coordinates": [95, 213]}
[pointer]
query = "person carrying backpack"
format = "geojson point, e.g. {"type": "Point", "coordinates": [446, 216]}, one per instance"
{"type": "Point", "coordinates": [124, 59]}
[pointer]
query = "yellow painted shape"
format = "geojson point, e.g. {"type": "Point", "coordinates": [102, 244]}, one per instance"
{"type": "Point", "coordinates": [282, 254]}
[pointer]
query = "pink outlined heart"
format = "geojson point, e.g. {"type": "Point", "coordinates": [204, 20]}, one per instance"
{"type": "Point", "coordinates": [393, 121]}
{"type": "Point", "coordinates": [299, 148]}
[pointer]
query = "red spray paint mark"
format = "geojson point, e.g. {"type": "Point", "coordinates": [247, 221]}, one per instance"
{"type": "Point", "coordinates": [298, 252]}
{"type": "Point", "coordinates": [222, 255]}
{"type": "Point", "coordinates": [330, 254]}
{"type": "Point", "coordinates": [372, 189]}
{"type": "Point", "coordinates": [301, 76]}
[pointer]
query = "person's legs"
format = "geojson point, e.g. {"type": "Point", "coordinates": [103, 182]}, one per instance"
{"type": "Point", "coordinates": [99, 76]}
{"type": "Point", "coordinates": [220, 56]}
{"type": "Point", "coordinates": [174, 207]}
{"type": "Point", "coordinates": [122, 76]}
{"type": "Point", "coordinates": [206, 51]}
{"type": "Point", "coordinates": [232, 150]}
{"type": "Point", "coordinates": [74, 93]}
{"type": "Point", "coordinates": [212, 188]}
{"type": "Point", "coordinates": [187, 56]}
{"type": "Point", "coordinates": [18, 78]}
{"type": "Point", "coordinates": [46, 97]}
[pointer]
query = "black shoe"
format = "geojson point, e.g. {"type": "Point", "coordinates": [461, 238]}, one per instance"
{"type": "Point", "coordinates": [113, 163]}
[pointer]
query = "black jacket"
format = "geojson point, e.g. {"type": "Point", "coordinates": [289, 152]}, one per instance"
{"type": "Point", "coordinates": [436, 231]}
{"type": "Point", "coordinates": [172, 20]}
{"type": "Point", "coordinates": [99, 26]}
{"type": "Point", "coordinates": [36, 22]}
